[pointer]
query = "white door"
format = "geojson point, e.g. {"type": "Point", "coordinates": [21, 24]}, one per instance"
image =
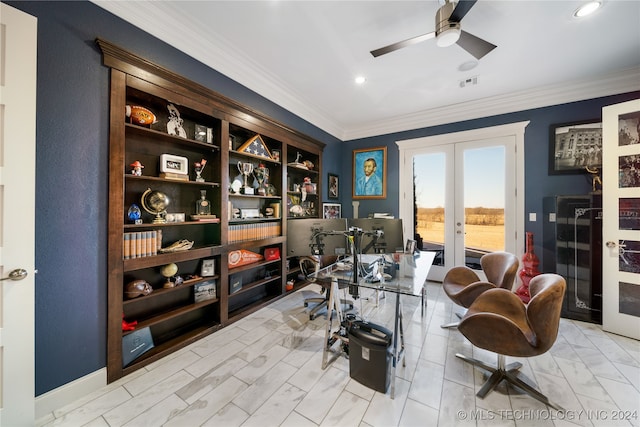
{"type": "Point", "coordinates": [621, 219]}
{"type": "Point", "coordinates": [464, 194]}
{"type": "Point", "coordinates": [17, 210]}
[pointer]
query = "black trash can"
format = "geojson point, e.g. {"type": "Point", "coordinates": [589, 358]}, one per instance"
{"type": "Point", "coordinates": [370, 355]}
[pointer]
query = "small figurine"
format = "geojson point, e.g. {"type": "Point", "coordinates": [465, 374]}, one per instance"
{"type": "Point", "coordinates": [134, 214]}
{"type": "Point", "coordinates": [199, 167]}
{"type": "Point", "coordinates": [174, 125]}
{"type": "Point", "coordinates": [136, 168]}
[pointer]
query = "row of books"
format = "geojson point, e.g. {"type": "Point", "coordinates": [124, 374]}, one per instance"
{"type": "Point", "coordinates": [264, 230]}
{"type": "Point", "coordinates": [142, 243]}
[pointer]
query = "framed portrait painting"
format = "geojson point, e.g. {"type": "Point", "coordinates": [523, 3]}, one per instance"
{"type": "Point", "coordinates": [370, 173]}
{"type": "Point", "coordinates": [575, 147]}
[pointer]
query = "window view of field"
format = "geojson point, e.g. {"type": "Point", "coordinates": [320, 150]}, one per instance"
{"type": "Point", "coordinates": [484, 227]}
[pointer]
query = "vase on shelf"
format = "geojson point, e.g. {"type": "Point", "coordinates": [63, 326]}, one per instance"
{"type": "Point", "coordinates": [529, 270]}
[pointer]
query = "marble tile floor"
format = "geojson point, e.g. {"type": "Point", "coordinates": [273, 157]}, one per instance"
{"type": "Point", "coordinates": [265, 370]}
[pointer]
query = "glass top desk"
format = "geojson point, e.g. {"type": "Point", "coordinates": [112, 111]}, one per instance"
{"type": "Point", "coordinates": [397, 273]}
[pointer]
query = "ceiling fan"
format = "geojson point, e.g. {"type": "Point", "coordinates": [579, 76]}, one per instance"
{"type": "Point", "coordinates": [447, 32]}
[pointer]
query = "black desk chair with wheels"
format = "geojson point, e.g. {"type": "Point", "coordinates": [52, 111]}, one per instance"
{"type": "Point", "coordinates": [310, 265]}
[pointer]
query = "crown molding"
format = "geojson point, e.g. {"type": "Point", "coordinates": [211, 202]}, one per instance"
{"type": "Point", "coordinates": [623, 81]}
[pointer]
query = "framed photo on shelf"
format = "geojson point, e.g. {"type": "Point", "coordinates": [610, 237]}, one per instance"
{"type": "Point", "coordinates": [204, 291]}
{"type": "Point", "coordinates": [575, 147]}
{"type": "Point", "coordinates": [331, 210]}
{"type": "Point", "coordinates": [174, 164]}
{"type": "Point", "coordinates": [334, 181]}
{"type": "Point", "coordinates": [370, 173]}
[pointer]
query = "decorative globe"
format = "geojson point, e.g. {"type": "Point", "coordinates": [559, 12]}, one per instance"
{"type": "Point", "coordinates": [169, 270]}
{"type": "Point", "coordinates": [155, 202]}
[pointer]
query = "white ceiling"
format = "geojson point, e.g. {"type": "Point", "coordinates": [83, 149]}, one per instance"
{"type": "Point", "coordinates": [304, 56]}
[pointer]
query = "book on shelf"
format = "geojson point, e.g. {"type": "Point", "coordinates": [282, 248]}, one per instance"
{"type": "Point", "coordinates": [253, 231]}
{"type": "Point", "coordinates": [140, 244]}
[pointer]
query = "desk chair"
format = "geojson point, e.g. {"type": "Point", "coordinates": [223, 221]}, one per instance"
{"type": "Point", "coordinates": [310, 265]}
{"type": "Point", "coordinates": [462, 285]}
{"type": "Point", "coordinates": [498, 321]}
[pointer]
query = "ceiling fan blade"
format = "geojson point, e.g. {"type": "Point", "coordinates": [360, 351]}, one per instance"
{"type": "Point", "coordinates": [474, 45]}
{"type": "Point", "coordinates": [400, 45]}
{"type": "Point", "coordinates": [461, 9]}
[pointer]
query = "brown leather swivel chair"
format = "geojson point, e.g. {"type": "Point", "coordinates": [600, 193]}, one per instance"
{"type": "Point", "coordinates": [311, 264]}
{"type": "Point", "coordinates": [463, 285]}
{"type": "Point", "coordinates": [498, 321]}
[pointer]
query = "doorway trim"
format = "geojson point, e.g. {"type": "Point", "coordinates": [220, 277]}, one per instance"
{"type": "Point", "coordinates": [409, 147]}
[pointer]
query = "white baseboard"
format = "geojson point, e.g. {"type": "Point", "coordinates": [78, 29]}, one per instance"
{"type": "Point", "coordinates": [70, 392]}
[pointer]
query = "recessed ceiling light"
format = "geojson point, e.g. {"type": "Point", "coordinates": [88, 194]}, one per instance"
{"type": "Point", "coordinates": [469, 65]}
{"type": "Point", "coordinates": [360, 80]}
{"type": "Point", "coordinates": [587, 9]}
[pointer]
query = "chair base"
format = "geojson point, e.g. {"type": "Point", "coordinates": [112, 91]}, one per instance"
{"type": "Point", "coordinates": [322, 305]}
{"type": "Point", "coordinates": [508, 373]}
{"type": "Point", "coordinates": [454, 324]}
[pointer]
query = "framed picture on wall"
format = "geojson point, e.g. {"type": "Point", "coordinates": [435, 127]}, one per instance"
{"type": "Point", "coordinates": [331, 210]}
{"type": "Point", "coordinates": [370, 173]}
{"type": "Point", "coordinates": [333, 186]}
{"type": "Point", "coordinates": [575, 147]}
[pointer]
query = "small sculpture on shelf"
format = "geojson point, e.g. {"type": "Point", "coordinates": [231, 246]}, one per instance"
{"type": "Point", "coordinates": [199, 167]}
{"type": "Point", "coordinates": [134, 214]}
{"type": "Point", "coordinates": [261, 183]}
{"type": "Point", "coordinates": [136, 168]}
{"type": "Point", "coordinates": [174, 125]}
{"type": "Point", "coordinates": [137, 288]}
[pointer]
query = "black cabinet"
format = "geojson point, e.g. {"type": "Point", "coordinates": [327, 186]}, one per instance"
{"type": "Point", "coordinates": [578, 240]}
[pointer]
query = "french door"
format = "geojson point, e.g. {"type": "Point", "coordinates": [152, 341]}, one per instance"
{"type": "Point", "coordinates": [464, 201]}
{"type": "Point", "coordinates": [621, 219]}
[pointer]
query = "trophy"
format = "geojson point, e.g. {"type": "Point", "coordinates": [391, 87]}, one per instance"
{"type": "Point", "coordinates": [262, 177]}
{"type": "Point", "coordinates": [246, 169]}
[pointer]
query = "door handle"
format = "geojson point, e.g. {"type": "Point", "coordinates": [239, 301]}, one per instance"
{"type": "Point", "coordinates": [17, 274]}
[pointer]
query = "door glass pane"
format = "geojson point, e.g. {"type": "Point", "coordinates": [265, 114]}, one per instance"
{"type": "Point", "coordinates": [429, 174]}
{"type": "Point", "coordinates": [484, 197]}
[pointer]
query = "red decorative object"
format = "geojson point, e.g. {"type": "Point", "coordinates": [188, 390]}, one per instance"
{"type": "Point", "coordinates": [128, 326]}
{"type": "Point", "coordinates": [529, 269]}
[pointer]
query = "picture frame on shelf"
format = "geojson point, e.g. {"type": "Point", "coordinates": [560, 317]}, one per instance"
{"type": "Point", "coordinates": [333, 186]}
{"type": "Point", "coordinates": [331, 210]}
{"type": "Point", "coordinates": [203, 134]}
{"type": "Point", "coordinates": [410, 246]}
{"type": "Point", "coordinates": [370, 173]}
{"type": "Point", "coordinates": [575, 147]}
{"type": "Point", "coordinates": [174, 164]}
{"type": "Point", "coordinates": [204, 291]}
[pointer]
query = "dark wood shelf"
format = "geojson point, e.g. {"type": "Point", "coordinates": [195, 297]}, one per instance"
{"type": "Point", "coordinates": [253, 196]}
{"type": "Point", "coordinates": [161, 259]}
{"type": "Point", "coordinates": [162, 317]}
{"type": "Point", "coordinates": [253, 285]}
{"type": "Point", "coordinates": [141, 130]}
{"type": "Point", "coordinates": [170, 224]}
{"type": "Point", "coordinates": [172, 181]}
{"type": "Point", "coordinates": [163, 291]}
{"type": "Point", "coordinates": [162, 349]}
{"type": "Point", "coordinates": [251, 266]}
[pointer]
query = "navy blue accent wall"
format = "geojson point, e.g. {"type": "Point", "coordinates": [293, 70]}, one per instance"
{"type": "Point", "coordinates": [72, 160]}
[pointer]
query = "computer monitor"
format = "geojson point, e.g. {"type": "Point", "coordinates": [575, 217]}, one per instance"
{"type": "Point", "coordinates": [380, 235]}
{"type": "Point", "coordinates": [309, 236]}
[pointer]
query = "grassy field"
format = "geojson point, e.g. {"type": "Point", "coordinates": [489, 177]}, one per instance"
{"type": "Point", "coordinates": [484, 228]}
